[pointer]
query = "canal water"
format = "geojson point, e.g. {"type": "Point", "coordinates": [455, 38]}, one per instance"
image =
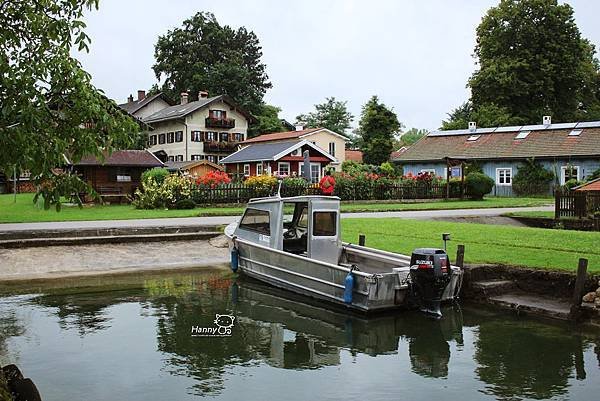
{"type": "Point", "coordinates": [158, 337]}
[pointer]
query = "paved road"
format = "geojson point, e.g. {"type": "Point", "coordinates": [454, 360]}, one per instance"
{"type": "Point", "coordinates": [218, 220]}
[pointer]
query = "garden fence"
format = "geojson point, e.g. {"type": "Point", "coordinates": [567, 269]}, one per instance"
{"type": "Point", "coordinates": [580, 204]}
{"type": "Point", "coordinates": [240, 193]}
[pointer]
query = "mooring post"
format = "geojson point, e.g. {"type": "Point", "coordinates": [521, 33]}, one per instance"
{"type": "Point", "coordinates": [361, 239]}
{"type": "Point", "coordinates": [460, 256]}
{"type": "Point", "coordinates": [579, 288]}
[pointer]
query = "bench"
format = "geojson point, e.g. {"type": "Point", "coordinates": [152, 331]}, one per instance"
{"type": "Point", "coordinates": [110, 193]}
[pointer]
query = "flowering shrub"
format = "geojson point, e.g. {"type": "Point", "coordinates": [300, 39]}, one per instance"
{"type": "Point", "coordinates": [293, 186]}
{"type": "Point", "coordinates": [213, 179]}
{"type": "Point", "coordinates": [165, 194]}
{"type": "Point", "coordinates": [261, 181]}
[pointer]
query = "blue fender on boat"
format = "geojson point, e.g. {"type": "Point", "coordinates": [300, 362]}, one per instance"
{"type": "Point", "coordinates": [235, 256]}
{"type": "Point", "coordinates": [348, 287]}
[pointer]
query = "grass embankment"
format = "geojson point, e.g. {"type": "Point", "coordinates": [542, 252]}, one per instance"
{"type": "Point", "coordinates": [540, 214]}
{"type": "Point", "coordinates": [508, 245]}
{"type": "Point", "coordinates": [25, 211]}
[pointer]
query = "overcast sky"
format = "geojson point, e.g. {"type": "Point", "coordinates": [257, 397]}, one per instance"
{"type": "Point", "coordinates": [415, 55]}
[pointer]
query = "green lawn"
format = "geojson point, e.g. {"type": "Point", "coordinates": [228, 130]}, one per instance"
{"type": "Point", "coordinates": [546, 215]}
{"type": "Point", "coordinates": [25, 211]}
{"type": "Point", "coordinates": [509, 245]}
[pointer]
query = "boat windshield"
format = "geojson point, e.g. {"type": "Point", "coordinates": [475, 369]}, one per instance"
{"type": "Point", "coordinates": [295, 227]}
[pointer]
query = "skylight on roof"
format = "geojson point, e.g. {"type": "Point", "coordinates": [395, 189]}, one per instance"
{"type": "Point", "coordinates": [575, 132]}
{"type": "Point", "coordinates": [473, 138]}
{"type": "Point", "coordinates": [522, 134]}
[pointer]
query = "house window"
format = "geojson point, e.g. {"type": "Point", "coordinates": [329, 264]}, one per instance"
{"type": "Point", "coordinates": [223, 137]}
{"type": "Point", "coordinates": [283, 168]}
{"type": "Point", "coordinates": [238, 137]}
{"type": "Point", "coordinates": [152, 140]}
{"type": "Point", "coordinates": [522, 134]}
{"type": "Point", "coordinates": [171, 158]}
{"type": "Point", "coordinates": [332, 148]}
{"type": "Point", "coordinates": [504, 176]}
{"type": "Point", "coordinates": [170, 137]}
{"type": "Point", "coordinates": [196, 136]}
{"type": "Point", "coordinates": [221, 158]}
{"type": "Point", "coordinates": [123, 178]}
{"type": "Point", "coordinates": [324, 224]}
{"type": "Point", "coordinates": [569, 173]}
{"type": "Point", "coordinates": [161, 139]}
{"type": "Point", "coordinates": [256, 220]}
{"type": "Point", "coordinates": [196, 157]}
{"type": "Point", "coordinates": [217, 114]}
{"type": "Point", "coordinates": [179, 158]}
{"type": "Point", "coordinates": [259, 168]}
{"type": "Point", "coordinates": [455, 171]}
{"type": "Point", "coordinates": [211, 158]}
{"type": "Point", "coordinates": [179, 136]}
{"type": "Point", "coordinates": [246, 170]}
{"type": "Point", "coordinates": [315, 171]}
{"type": "Point", "coordinates": [575, 132]}
{"type": "Point", "coordinates": [473, 138]}
{"type": "Point", "coordinates": [211, 136]}
{"type": "Point", "coordinates": [430, 171]}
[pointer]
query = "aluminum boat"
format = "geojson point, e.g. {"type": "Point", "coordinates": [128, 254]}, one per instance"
{"type": "Point", "coordinates": [295, 243]}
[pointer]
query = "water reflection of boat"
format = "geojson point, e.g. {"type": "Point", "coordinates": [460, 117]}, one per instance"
{"type": "Point", "coordinates": [327, 330]}
{"type": "Point", "coordinates": [295, 244]}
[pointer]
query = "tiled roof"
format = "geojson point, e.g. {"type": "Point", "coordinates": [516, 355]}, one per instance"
{"type": "Point", "coordinates": [270, 151]}
{"type": "Point", "coordinates": [190, 164]}
{"type": "Point", "coordinates": [123, 158]}
{"type": "Point", "coordinates": [258, 152]}
{"type": "Point", "coordinates": [132, 107]}
{"type": "Point", "coordinates": [182, 110]}
{"type": "Point", "coordinates": [593, 185]}
{"type": "Point", "coordinates": [275, 136]}
{"type": "Point", "coordinates": [354, 155]}
{"type": "Point", "coordinates": [552, 141]}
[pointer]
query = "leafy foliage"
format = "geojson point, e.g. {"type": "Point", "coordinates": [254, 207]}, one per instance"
{"type": "Point", "coordinates": [156, 194]}
{"type": "Point", "coordinates": [410, 137]}
{"type": "Point", "coordinates": [158, 174]}
{"type": "Point", "coordinates": [595, 174]}
{"type": "Point", "coordinates": [478, 185]}
{"type": "Point", "coordinates": [532, 62]}
{"type": "Point", "coordinates": [267, 121]}
{"type": "Point", "coordinates": [333, 115]}
{"type": "Point", "coordinates": [204, 55]}
{"type": "Point", "coordinates": [50, 109]}
{"type": "Point", "coordinates": [377, 127]}
{"type": "Point", "coordinates": [532, 179]}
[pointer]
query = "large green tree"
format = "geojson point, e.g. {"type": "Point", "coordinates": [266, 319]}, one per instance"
{"type": "Point", "coordinates": [377, 128]}
{"type": "Point", "coordinates": [532, 62]}
{"type": "Point", "coordinates": [49, 108]}
{"type": "Point", "coordinates": [204, 55]}
{"type": "Point", "coordinates": [267, 121]}
{"type": "Point", "coordinates": [332, 114]}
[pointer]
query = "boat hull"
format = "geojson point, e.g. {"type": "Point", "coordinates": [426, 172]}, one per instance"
{"type": "Point", "coordinates": [321, 280]}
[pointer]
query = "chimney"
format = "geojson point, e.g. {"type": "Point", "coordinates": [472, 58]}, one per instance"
{"type": "Point", "coordinates": [547, 120]}
{"type": "Point", "coordinates": [141, 95]}
{"type": "Point", "coordinates": [184, 97]}
{"type": "Point", "coordinates": [202, 95]}
{"type": "Point", "coordinates": [130, 99]}
{"type": "Point", "coordinates": [299, 126]}
{"type": "Point", "coordinates": [472, 125]}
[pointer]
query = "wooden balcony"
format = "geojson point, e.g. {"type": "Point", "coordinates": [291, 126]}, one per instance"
{"type": "Point", "coordinates": [211, 122]}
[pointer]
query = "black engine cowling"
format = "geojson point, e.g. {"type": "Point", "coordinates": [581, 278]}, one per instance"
{"type": "Point", "coordinates": [429, 274]}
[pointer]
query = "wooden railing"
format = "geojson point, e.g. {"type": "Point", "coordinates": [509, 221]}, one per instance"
{"type": "Point", "coordinates": [579, 204]}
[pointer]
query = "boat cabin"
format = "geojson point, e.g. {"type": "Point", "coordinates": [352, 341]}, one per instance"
{"type": "Point", "coordinates": [304, 225]}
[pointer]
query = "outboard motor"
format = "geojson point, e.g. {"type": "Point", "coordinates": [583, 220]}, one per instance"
{"type": "Point", "coordinates": [429, 274]}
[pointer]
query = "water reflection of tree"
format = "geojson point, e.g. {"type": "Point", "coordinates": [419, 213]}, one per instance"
{"type": "Point", "coordinates": [526, 359]}
{"type": "Point", "coordinates": [10, 326]}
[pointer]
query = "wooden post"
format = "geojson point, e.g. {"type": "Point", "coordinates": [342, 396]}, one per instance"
{"type": "Point", "coordinates": [460, 256]}
{"type": "Point", "coordinates": [361, 239]}
{"type": "Point", "coordinates": [579, 288]}
{"type": "Point", "coordinates": [557, 204]}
